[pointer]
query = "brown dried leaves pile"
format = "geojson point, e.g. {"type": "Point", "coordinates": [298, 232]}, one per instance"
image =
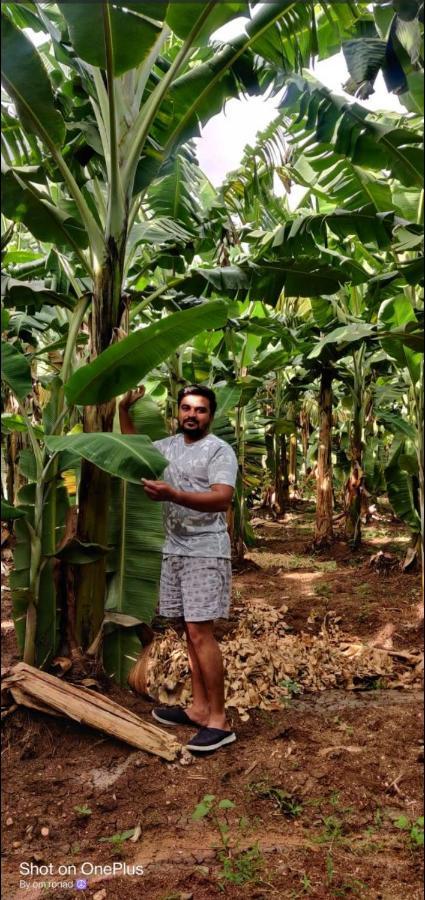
{"type": "Point", "coordinates": [264, 663]}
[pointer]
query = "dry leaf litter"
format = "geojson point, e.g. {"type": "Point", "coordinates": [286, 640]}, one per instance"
{"type": "Point", "coordinates": [264, 663]}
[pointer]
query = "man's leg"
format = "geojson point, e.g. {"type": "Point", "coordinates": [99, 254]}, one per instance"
{"type": "Point", "coordinates": [199, 710]}
{"type": "Point", "coordinates": [209, 661]}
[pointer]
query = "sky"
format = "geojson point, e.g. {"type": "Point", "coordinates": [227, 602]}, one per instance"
{"type": "Point", "coordinates": [224, 137]}
{"type": "Point", "coordinates": [220, 148]}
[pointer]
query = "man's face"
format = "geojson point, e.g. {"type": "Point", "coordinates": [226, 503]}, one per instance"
{"type": "Point", "coordinates": [194, 416]}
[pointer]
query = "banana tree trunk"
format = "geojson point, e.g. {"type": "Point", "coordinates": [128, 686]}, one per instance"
{"type": "Point", "coordinates": [305, 435]}
{"type": "Point", "coordinates": [324, 509]}
{"type": "Point", "coordinates": [282, 487]}
{"type": "Point", "coordinates": [293, 459]}
{"type": "Point", "coordinates": [94, 492]}
{"type": "Point", "coordinates": [353, 487]}
{"type": "Point", "coordinates": [419, 398]}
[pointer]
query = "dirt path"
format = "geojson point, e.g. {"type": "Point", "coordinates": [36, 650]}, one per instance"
{"type": "Point", "coordinates": [326, 791]}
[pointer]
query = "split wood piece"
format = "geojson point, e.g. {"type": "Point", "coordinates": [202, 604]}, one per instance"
{"type": "Point", "coordinates": [23, 699]}
{"type": "Point", "coordinates": [86, 706]}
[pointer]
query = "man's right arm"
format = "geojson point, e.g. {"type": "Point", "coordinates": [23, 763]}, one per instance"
{"type": "Point", "coordinates": [124, 405]}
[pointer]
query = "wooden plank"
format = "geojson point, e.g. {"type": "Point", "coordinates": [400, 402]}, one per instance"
{"type": "Point", "coordinates": [89, 708]}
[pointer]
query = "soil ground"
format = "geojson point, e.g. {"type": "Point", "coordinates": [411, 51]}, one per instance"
{"type": "Point", "coordinates": [327, 791]}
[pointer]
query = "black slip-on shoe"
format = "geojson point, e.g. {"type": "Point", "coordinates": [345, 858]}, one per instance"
{"type": "Point", "coordinates": [173, 715]}
{"type": "Point", "coordinates": [209, 739]}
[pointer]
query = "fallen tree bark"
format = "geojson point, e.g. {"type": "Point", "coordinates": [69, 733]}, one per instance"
{"type": "Point", "coordinates": [31, 687]}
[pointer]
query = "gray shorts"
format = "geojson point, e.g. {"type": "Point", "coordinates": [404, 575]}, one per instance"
{"type": "Point", "coordinates": [195, 588]}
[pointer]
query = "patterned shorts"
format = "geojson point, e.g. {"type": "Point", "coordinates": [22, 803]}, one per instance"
{"type": "Point", "coordinates": [195, 588]}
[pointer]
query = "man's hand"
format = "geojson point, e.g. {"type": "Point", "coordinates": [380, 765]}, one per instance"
{"type": "Point", "coordinates": [124, 405]}
{"type": "Point", "coordinates": [218, 499]}
{"type": "Point", "coordinates": [131, 397]}
{"type": "Point", "coordinates": [159, 490]}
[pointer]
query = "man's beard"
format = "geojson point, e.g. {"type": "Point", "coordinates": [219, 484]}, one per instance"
{"type": "Point", "coordinates": [193, 431]}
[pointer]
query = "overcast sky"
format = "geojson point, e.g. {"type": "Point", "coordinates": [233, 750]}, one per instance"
{"type": "Point", "coordinates": [224, 137]}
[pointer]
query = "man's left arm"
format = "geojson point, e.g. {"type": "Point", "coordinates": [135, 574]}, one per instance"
{"type": "Point", "coordinates": [217, 499]}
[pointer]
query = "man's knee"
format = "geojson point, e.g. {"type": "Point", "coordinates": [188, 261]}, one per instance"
{"type": "Point", "coordinates": [199, 632]}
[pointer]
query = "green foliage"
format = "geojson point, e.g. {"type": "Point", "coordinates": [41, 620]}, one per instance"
{"type": "Point", "coordinates": [237, 866]}
{"type": "Point", "coordinates": [15, 370]}
{"type": "Point", "coordinates": [124, 364]}
{"type": "Point", "coordinates": [286, 803]}
{"type": "Point", "coordinates": [414, 829]}
{"type": "Point", "coordinates": [83, 810]}
{"type": "Point", "coordinates": [128, 456]}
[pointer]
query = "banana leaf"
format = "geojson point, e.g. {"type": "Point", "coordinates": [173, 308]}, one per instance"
{"type": "Point", "coordinates": [124, 364]}
{"type": "Point", "coordinates": [48, 614]}
{"type": "Point", "coordinates": [27, 82]}
{"type": "Point", "coordinates": [134, 565]}
{"type": "Point", "coordinates": [15, 370]}
{"type": "Point", "coordinates": [129, 456]}
{"type": "Point", "coordinates": [131, 36]}
{"type": "Point", "coordinates": [401, 490]}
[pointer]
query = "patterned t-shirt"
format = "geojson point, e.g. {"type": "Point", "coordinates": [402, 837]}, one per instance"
{"type": "Point", "coordinates": [195, 467]}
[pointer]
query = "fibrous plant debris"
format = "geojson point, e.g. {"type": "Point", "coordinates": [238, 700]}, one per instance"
{"type": "Point", "coordinates": [47, 693]}
{"type": "Point", "coordinates": [263, 662]}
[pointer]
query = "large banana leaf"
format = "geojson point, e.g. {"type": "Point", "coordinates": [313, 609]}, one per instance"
{"type": "Point", "coordinates": [124, 364]}
{"type": "Point", "coordinates": [401, 492]}
{"type": "Point", "coordinates": [176, 194]}
{"type": "Point", "coordinates": [28, 84]}
{"type": "Point", "coordinates": [308, 232]}
{"type": "Point", "coordinates": [15, 370]}
{"type": "Point", "coordinates": [181, 17]}
{"type": "Point", "coordinates": [48, 612]}
{"type": "Point", "coordinates": [128, 456]}
{"type": "Point", "coordinates": [364, 58]}
{"type": "Point", "coordinates": [334, 178]}
{"type": "Point", "coordinates": [326, 118]}
{"type": "Point", "coordinates": [394, 314]}
{"type": "Point", "coordinates": [132, 36]}
{"type": "Point", "coordinates": [134, 565]}
{"type": "Point", "coordinates": [32, 295]}
{"type": "Point", "coordinates": [46, 222]}
{"type": "Point", "coordinates": [302, 276]}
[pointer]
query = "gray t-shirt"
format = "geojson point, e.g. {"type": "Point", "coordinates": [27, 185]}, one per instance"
{"type": "Point", "coordinates": [195, 467]}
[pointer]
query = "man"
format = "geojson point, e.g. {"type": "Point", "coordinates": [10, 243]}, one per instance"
{"type": "Point", "coordinates": [196, 568]}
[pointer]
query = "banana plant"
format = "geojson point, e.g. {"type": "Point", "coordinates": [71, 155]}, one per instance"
{"type": "Point", "coordinates": [101, 107]}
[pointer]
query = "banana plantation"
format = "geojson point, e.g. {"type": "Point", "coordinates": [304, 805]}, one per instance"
{"type": "Point", "coordinates": [294, 290]}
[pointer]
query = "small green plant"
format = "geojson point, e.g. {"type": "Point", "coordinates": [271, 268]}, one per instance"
{"type": "Point", "coordinates": [330, 869]}
{"type": "Point", "coordinates": [83, 810]}
{"type": "Point", "coordinates": [238, 866]}
{"type": "Point", "coordinates": [332, 831]}
{"type": "Point", "coordinates": [117, 840]}
{"type": "Point", "coordinates": [378, 818]}
{"type": "Point", "coordinates": [288, 804]}
{"type": "Point", "coordinates": [323, 590]}
{"type": "Point", "coordinates": [362, 589]}
{"type": "Point", "coordinates": [305, 883]}
{"type": "Point", "coordinates": [364, 613]}
{"type": "Point", "coordinates": [291, 688]}
{"type": "Point", "coordinates": [415, 830]}
{"type": "Point", "coordinates": [243, 868]}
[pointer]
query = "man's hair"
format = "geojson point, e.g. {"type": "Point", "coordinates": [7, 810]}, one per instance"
{"type": "Point", "coordinates": [201, 391]}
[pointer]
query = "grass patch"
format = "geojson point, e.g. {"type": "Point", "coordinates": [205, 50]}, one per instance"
{"type": "Point", "coordinates": [288, 804]}
{"type": "Point", "coordinates": [292, 561]}
{"type": "Point", "coordinates": [323, 590]}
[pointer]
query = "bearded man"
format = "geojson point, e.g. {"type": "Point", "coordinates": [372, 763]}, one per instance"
{"type": "Point", "coordinates": [197, 491]}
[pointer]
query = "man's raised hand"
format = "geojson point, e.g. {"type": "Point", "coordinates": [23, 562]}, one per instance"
{"type": "Point", "coordinates": [131, 397]}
